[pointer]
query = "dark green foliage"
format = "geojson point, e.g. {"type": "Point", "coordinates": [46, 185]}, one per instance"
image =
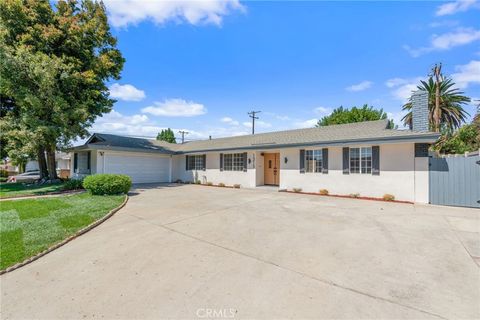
{"type": "Point", "coordinates": [3, 173]}
{"type": "Point", "coordinates": [451, 112]}
{"type": "Point", "coordinates": [72, 184]}
{"type": "Point", "coordinates": [167, 135]}
{"type": "Point", "coordinates": [465, 139]}
{"type": "Point", "coordinates": [100, 184]}
{"type": "Point", "coordinates": [344, 115]}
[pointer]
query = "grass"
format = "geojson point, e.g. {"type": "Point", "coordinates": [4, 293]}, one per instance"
{"type": "Point", "coordinates": [8, 190]}
{"type": "Point", "coordinates": [30, 226]}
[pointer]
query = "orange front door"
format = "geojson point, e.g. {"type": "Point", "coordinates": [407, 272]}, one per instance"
{"type": "Point", "coordinates": [272, 168]}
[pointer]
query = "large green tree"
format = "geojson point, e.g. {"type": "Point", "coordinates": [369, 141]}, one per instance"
{"type": "Point", "coordinates": [445, 103]}
{"type": "Point", "coordinates": [166, 135]}
{"type": "Point", "coordinates": [343, 115]}
{"type": "Point", "coordinates": [55, 63]}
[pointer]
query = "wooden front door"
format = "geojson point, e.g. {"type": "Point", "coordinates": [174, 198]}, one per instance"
{"type": "Point", "coordinates": [272, 168]}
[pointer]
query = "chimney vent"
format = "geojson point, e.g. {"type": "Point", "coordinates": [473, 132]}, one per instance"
{"type": "Point", "coordinates": [420, 111]}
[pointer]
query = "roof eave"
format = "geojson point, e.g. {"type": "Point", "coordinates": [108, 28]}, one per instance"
{"type": "Point", "coordinates": [88, 147]}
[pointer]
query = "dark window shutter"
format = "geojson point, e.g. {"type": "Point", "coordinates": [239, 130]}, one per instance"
{"type": "Point", "coordinates": [204, 164]}
{"type": "Point", "coordinates": [346, 156]}
{"type": "Point", "coordinates": [245, 160]}
{"type": "Point", "coordinates": [421, 149]}
{"type": "Point", "coordinates": [302, 161]}
{"type": "Point", "coordinates": [221, 161]}
{"type": "Point", "coordinates": [89, 156]}
{"type": "Point", "coordinates": [186, 163]}
{"type": "Point", "coordinates": [325, 160]}
{"type": "Point", "coordinates": [376, 160]}
{"type": "Point", "coordinates": [75, 162]}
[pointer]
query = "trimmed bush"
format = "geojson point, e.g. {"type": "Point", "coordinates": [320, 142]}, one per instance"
{"type": "Point", "coordinates": [221, 184]}
{"type": "Point", "coordinates": [297, 190]}
{"type": "Point", "coordinates": [236, 186]}
{"type": "Point", "coordinates": [100, 184]}
{"type": "Point", "coordinates": [324, 192]}
{"type": "Point", "coordinates": [198, 182]}
{"type": "Point", "coordinates": [355, 195]}
{"type": "Point", "coordinates": [388, 197]}
{"type": "Point", "coordinates": [72, 184]}
{"type": "Point", "coordinates": [209, 183]}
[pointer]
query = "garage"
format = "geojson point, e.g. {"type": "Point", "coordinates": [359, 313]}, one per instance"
{"type": "Point", "coordinates": [142, 168]}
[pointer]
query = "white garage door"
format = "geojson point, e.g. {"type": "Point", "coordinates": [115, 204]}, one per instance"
{"type": "Point", "coordinates": [141, 168]}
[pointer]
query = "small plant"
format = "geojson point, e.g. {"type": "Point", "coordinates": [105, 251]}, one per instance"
{"type": "Point", "coordinates": [3, 173]}
{"type": "Point", "coordinates": [72, 184]}
{"type": "Point", "coordinates": [388, 197]}
{"type": "Point", "coordinates": [296, 190]}
{"type": "Point", "coordinates": [179, 181]}
{"type": "Point", "coordinates": [354, 195]}
{"type": "Point", "coordinates": [324, 192]}
{"type": "Point", "coordinates": [221, 184]}
{"type": "Point", "coordinates": [100, 184]}
{"type": "Point", "coordinates": [209, 183]}
{"type": "Point", "coordinates": [198, 182]}
{"type": "Point", "coordinates": [236, 186]}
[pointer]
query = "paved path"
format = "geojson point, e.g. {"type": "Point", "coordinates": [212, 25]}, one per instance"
{"type": "Point", "coordinates": [198, 252]}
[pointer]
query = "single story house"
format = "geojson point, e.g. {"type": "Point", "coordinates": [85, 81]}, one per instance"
{"type": "Point", "coordinates": [366, 158]}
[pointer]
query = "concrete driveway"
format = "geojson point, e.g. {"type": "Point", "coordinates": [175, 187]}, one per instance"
{"type": "Point", "coordinates": [203, 252]}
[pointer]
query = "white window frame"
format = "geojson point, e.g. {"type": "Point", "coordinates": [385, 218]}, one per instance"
{"type": "Point", "coordinates": [362, 169]}
{"type": "Point", "coordinates": [314, 166]}
{"type": "Point", "coordinates": [197, 162]}
{"type": "Point", "coordinates": [236, 159]}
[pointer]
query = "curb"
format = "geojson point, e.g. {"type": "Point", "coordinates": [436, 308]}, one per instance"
{"type": "Point", "coordinates": [65, 241]}
{"type": "Point", "coordinates": [34, 196]}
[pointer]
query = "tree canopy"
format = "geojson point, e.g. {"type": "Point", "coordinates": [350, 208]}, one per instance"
{"type": "Point", "coordinates": [55, 63]}
{"type": "Point", "coordinates": [166, 135]}
{"type": "Point", "coordinates": [343, 115]}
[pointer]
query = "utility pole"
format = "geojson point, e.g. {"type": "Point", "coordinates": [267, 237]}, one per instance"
{"type": "Point", "coordinates": [183, 135]}
{"type": "Point", "coordinates": [252, 114]}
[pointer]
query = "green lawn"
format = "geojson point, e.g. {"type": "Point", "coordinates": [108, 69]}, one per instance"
{"type": "Point", "coordinates": [30, 226]}
{"type": "Point", "coordinates": [8, 190]}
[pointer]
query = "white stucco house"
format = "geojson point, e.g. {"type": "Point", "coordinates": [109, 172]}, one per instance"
{"type": "Point", "coordinates": [366, 158]}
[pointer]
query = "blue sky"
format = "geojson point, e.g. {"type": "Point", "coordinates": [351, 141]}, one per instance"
{"type": "Point", "coordinates": [201, 66]}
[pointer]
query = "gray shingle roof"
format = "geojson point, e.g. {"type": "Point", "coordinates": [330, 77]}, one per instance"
{"type": "Point", "coordinates": [368, 131]}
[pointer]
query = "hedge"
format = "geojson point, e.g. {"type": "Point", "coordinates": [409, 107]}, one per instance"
{"type": "Point", "coordinates": [100, 184]}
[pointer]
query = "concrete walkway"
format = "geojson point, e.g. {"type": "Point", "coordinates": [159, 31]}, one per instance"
{"type": "Point", "coordinates": [198, 252]}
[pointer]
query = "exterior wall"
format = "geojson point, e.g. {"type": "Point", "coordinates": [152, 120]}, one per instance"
{"type": "Point", "coordinates": [422, 182]}
{"type": "Point", "coordinates": [397, 174]}
{"type": "Point", "coordinates": [212, 171]}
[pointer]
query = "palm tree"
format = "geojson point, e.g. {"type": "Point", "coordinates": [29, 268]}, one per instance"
{"type": "Point", "coordinates": [449, 114]}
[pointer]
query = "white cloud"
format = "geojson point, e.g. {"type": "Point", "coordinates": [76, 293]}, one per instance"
{"type": "Point", "coordinates": [467, 74]}
{"type": "Point", "coordinates": [197, 12]}
{"type": "Point", "coordinates": [364, 85]}
{"type": "Point", "coordinates": [117, 123]}
{"type": "Point", "coordinates": [258, 123]}
{"type": "Point", "coordinates": [402, 88]}
{"type": "Point", "coordinates": [446, 41]}
{"type": "Point", "coordinates": [176, 108]}
{"type": "Point", "coordinates": [322, 111]}
{"type": "Point", "coordinates": [126, 92]}
{"type": "Point", "coordinates": [230, 121]}
{"type": "Point", "coordinates": [397, 118]}
{"type": "Point", "coordinates": [456, 6]}
{"type": "Point", "coordinates": [306, 124]}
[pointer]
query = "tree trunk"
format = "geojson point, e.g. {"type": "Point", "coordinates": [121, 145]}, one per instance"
{"type": "Point", "coordinates": [42, 163]}
{"type": "Point", "coordinates": [52, 170]}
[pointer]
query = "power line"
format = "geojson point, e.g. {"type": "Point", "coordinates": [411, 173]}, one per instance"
{"type": "Point", "coordinates": [183, 134]}
{"type": "Point", "coordinates": [252, 114]}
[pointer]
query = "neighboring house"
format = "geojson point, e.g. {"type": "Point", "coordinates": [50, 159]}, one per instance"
{"type": "Point", "coordinates": [62, 164]}
{"type": "Point", "coordinates": [365, 158]}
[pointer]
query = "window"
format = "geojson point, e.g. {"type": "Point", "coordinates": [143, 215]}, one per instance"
{"type": "Point", "coordinates": [361, 160]}
{"type": "Point", "coordinates": [313, 160]}
{"type": "Point", "coordinates": [196, 162]}
{"type": "Point", "coordinates": [233, 162]}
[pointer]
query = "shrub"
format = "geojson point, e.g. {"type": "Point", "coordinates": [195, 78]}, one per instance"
{"type": "Point", "coordinates": [179, 181]}
{"type": "Point", "coordinates": [324, 192]}
{"type": "Point", "coordinates": [297, 190]}
{"type": "Point", "coordinates": [388, 197]}
{"type": "Point", "coordinates": [221, 184]}
{"type": "Point", "coordinates": [354, 195]}
{"type": "Point", "coordinates": [198, 182]}
{"type": "Point", "coordinates": [236, 186]}
{"type": "Point", "coordinates": [3, 173]}
{"type": "Point", "coordinates": [107, 183]}
{"type": "Point", "coordinates": [209, 183]}
{"type": "Point", "coordinates": [72, 184]}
